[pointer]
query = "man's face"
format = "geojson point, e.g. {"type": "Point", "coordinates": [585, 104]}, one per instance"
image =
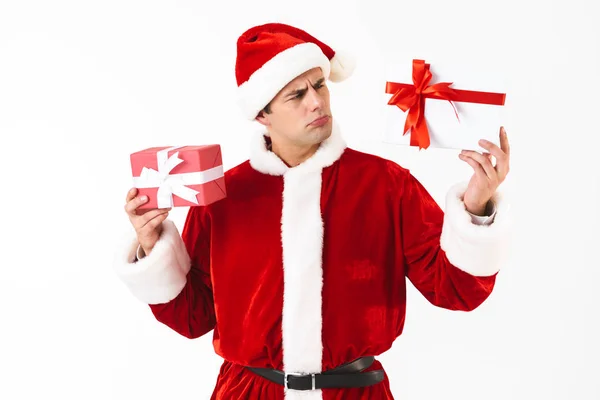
{"type": "Point", "coordinates": [300, 114]}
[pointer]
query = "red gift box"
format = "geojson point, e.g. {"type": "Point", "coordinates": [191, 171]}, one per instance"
{"type": "Point", "coordinates": [179, 176]}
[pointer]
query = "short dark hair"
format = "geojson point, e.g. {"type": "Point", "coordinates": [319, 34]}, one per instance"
{"type": "Point", "coordinates": [267, 109]}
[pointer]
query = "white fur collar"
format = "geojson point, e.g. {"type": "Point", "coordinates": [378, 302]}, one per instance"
{"type": "Point", "coordinates": [267, 162]}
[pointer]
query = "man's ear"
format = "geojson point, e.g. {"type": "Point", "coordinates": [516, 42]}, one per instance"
{"type": "Point", "coordinates": [262, 119]}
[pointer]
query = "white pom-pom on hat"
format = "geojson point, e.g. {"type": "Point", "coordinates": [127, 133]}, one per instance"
{"type": "Point", "coordinates": [342, 66]}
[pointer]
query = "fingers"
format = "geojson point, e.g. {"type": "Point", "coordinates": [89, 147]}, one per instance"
{"type": "Point", "coordinates": [131, 194]}
{"type": "Point", "coordinates": [156, 221]}
{"type": "Point", "coordinates": [153, 218]}
{"type": "Point", "coordinates": [493, 149]}
{"type": "Point", "coordinates": [474, 164]}
{"type": "Point", "coordinates": [133, 204]}
{"type": "Point", "coordinates": [483, 160]}
{"type": "Point", "coordinates": [491, 158]}
{"type": "Point", "coordinates": [503, 166]}
{"type": "Point", "coordinates": [504, 141]}
{"type": "Point", "coordinates": [501, 154]}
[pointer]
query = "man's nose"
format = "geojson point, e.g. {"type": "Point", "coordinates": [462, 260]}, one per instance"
{"type": "Point", "coordinates": [315, 99]}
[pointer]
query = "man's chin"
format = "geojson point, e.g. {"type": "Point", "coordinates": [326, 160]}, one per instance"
{"type": "Point", "coordinates": [322, 133]}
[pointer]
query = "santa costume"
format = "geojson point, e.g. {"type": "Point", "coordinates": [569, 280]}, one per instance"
{"type": "Point", "coordinates": [301, 270]}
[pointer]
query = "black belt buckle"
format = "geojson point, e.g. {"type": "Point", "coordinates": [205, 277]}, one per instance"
{"type": "Point", "coordinates": [300, 377]}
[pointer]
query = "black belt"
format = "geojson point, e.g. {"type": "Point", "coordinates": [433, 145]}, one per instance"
{"type": "Point", "coordinates": [346, 376]}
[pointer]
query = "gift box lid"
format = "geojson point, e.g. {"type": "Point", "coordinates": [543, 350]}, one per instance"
{"type": "Point", "coordinates": [196, 158]}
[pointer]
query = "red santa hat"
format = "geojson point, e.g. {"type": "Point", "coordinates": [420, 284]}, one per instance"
{"type": "Point", "coordinates": [272, 55]}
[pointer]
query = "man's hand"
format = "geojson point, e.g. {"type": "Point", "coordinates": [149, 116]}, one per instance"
{"type": "Point", "coordinates": [147, 223]}
{"type": "Point", "coordinates": [487, 177]}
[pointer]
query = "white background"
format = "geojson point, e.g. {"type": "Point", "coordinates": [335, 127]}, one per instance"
{"type": "Point", "coordinates": [85, 83]}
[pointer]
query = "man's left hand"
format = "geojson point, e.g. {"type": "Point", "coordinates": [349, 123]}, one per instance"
{"type": "Point", "coordinates": [487, 177]}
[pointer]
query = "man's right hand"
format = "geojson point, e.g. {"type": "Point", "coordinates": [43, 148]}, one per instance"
{"type": "Point", "coordinates": [147, 223]}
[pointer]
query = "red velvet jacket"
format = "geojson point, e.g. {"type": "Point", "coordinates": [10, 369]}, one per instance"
{"type": "Point", "coordinates": [304, 269]}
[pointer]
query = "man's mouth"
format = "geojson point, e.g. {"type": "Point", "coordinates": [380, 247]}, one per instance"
{"type": "Point", "coordinates": [320, 121]}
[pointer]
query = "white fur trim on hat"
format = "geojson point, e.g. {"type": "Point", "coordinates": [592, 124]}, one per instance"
{"type": "Point", "coordinates": [479, 250]}
{"type": "Point", "coordinates": [160, 276]}
{"type": "Point", "coordinates": [275, 74]}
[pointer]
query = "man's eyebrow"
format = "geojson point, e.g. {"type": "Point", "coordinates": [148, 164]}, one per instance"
{"type": "Point", "coordinates": [296, 92]}
{"type": "Point", "coordinates": [303, 90]}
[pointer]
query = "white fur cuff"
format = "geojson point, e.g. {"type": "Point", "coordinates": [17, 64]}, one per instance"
{"type": "Point", "coordinates": [479, 250]}
{"type": "Point", "coordinates": [160, 276]}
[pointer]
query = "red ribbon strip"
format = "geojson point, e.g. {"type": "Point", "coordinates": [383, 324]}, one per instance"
{"type": "Point", "coordinates": [411, 98]}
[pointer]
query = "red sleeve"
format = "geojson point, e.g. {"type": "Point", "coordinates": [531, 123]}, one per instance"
{"type": "Point", "coordinates": [427, 266]}
{"type": "Point", "coordinates": [192, 312]}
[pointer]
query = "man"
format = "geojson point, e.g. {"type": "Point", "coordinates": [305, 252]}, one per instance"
{"type": "Point", "coordinates": [301, 271]}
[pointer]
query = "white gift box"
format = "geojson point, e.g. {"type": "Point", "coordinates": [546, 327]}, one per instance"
{"type": "Point", "coordinates": [475, 121]}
